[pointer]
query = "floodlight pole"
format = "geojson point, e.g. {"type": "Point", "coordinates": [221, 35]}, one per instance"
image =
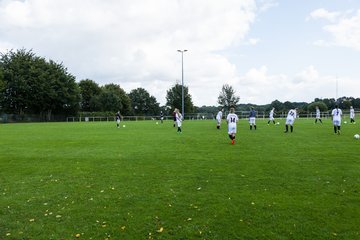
{"type": "Point", "coordinates": [182, 81]}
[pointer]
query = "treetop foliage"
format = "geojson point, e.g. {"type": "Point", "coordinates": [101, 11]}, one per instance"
{"type": "Point", "coordinates": [174, 100]}
{"type": "Point", "coordinates": [227, 97]}
{"type": "Point", "coordinates": [30, 84]}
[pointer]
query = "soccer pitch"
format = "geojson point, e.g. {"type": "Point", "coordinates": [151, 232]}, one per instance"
{"type": "Point", "coordinates": [145, 181]}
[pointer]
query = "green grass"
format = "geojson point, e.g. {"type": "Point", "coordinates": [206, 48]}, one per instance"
{"type": "Point", "coordinates": [62, 179]}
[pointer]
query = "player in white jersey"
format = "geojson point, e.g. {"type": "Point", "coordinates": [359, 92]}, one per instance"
{"type": "Point", "coordinates": [218, 118]}
{"type": "Point", "coordinates": [179, 119]}
{"type": "Point", "coordinates": [336, 113]}
{"type": "Point", "coordinates": [271, 116]}
{"type": "Point", "coordinates": [317, 117]}
{"type": "Point", "coordinates": [232, 119]}
{"type": "Point", "coordinates": [290, 119]}
{"type": "Point", "coordinates": [352, 115]}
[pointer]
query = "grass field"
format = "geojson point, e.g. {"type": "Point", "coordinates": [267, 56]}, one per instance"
{"type": "Point", "coordinates": [145, 181]}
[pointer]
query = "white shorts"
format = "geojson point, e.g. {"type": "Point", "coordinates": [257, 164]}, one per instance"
{"type": "Point", "coordinates": [118, 121]}
{"type": "Point", "coordinates": [337, 122]}
{"type": "Point", "coordinates": [218, 121]}
{"type": "Point", "coordinates": [271, 118]}
{"type": "Point", "coordinates": [252, 121]}
{"type": "Point", "coordinates": [231, 128]}
{"type": "Point", "coordinates": [178, 123]}
{"type": "Point", "coordinates": [289, 121]}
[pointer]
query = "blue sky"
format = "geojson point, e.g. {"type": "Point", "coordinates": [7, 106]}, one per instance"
{"type": "Point", "coordinates": [287, 37]}
{"type": "Point", "coordinates": [266, 49]}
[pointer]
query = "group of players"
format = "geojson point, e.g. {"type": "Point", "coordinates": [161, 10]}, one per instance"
{"type": "Point", "coordinates": [232, 119]}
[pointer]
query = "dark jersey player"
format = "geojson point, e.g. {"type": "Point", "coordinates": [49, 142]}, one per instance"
{"type": "Point", "coordinates": [161, 117]}
{"type": "Point", "coordinates": [252, 117]}
{"type": "Point", "coordinates": [118, 119]}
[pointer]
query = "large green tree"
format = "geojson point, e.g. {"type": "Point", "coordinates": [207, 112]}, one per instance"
{"type": "Point", "coordinates": [173, 98]}
{"type": "Point", "coordinates": [114, 98]}
{"type": "Point", "coordinates": [312, 106]}
{"type": "Point", "coordinates": [279, 106]}
{"type": "Point", "coordinates": [143, 103]}
{"type": "Point", "coordinates": [90, 91]}
{"type": "Point", "coordinates": [227, 97]}
{"type": "Point", "coordinates": [33, 85]}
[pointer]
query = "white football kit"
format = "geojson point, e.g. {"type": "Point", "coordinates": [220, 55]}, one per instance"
{"type": "Point", "coordinates": [352, 113]}
{"type": "Point", "coordinates": [178, 119]}
{"type": "Point", "coordinates": [291, 117]}
{"type": "Point", "coordinates": [336, 113]}
{"type": "Point", "coordinates": [271, 115]}
{"type": "Point", "coordinates": [232, 119]}
{"type": "Point", "coordinates": [219, 117]}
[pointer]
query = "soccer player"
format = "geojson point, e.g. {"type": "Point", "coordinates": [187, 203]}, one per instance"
{"type": "Point", "coordinates": [352, 115]}
{"type": "Point", "coordinates": [318, 115]}
{"type": "Point", "coordinates": [336, 113]}
{"type": "Point", "coordinates": [178, 119]}
{"type": "Point", "coordinates": [252, 116]}
{"type": "Point", "coordinates": [290, 119]}
{"type": "Point", "coordinates": [232, 119]}
{"type": "Point", "coordinates": [271, 116]}
{"type": "Point", "coordinates": [118, 119]}
{"type": "Point", "coordinates": [161, 117]}
{"type": "Point", "coordinates": [218, 118]}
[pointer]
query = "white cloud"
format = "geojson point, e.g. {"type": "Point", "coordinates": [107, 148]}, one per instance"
{"type": "Point", "coordinates": [265, 5]}
{"type": "Point", "coordinates": [251, 41]}
{"type": "Point", "coordinates": [258, 86]}
{"type": "Point", "coordinates": [261, 87]}
{"type": "Point", "coordinates": [344, 30]}
{"type": "Point", "coordinates": [133, 42]}
{"type": "Point", "coordinates": [322, 13]}
{"type": "Point", "coordinates": [309, 75]}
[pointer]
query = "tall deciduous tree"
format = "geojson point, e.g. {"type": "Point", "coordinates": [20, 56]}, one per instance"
{"type": "Point", "coordinates": [279, 106]}
{"type": "Point", "coordinates": [173, 98]}
{"type": "Point", "coordinates": [89, 90]}
{"type": "Point", "coordinates": [33, 85]}
{"type": "Point", "coordinates": [114, 98]}
{"type": "Point", "coordinates": [143, 103]}
{"type": "Point", "coordinates": [322, 106]}
{"type": "Point", "coordinates": [227, 97]}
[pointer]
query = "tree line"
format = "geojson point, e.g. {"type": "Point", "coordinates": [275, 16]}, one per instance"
{"type": "Point", "coordinates": [30, 84]}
